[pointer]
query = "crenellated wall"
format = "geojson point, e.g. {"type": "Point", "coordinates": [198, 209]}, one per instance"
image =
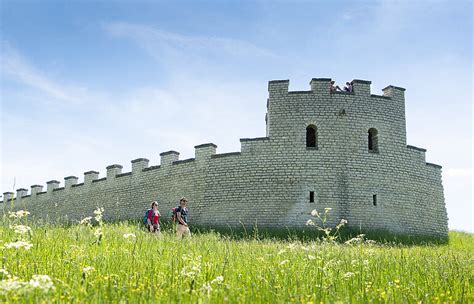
{"type": "Point", "coordinates": [269, 181]}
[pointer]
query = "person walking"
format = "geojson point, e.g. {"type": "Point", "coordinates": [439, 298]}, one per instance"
{"type": "Point", "coordinates": [153, 218]}
{"type": "Point", "coordinates": [182, 227]}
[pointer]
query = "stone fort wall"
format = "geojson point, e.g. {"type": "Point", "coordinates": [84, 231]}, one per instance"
{"type": "Point", "coordinates": [273, 179]}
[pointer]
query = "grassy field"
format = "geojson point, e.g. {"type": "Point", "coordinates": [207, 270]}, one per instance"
{"type": "Point", "coordinates": [121, 263]}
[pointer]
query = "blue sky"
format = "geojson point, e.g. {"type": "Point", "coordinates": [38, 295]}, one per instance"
{"type": "Point", "coordinates": [87, 84]}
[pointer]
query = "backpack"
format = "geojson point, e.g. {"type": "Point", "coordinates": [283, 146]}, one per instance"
{"type": "Point", "coordinates": [174, 216]}
{"type": "Point", "coordinates": [145, 218]}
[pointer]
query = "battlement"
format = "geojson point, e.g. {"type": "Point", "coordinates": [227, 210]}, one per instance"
{"type": "Point", "coordinates": [203, 153]}
{"type": "Point", "coordinates": [322, 86]}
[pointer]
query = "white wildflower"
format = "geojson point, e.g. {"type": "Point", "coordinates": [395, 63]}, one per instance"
{"type": "Point", "coordinates": [11, 285]}
{"type": "Point", "coordinates": [42, 282]}
{"type": "Point", "coordinates": [315, 213]}
{"type": "Point", "coordinates": [88, 269]}
{"type": "Point", "coordinates": [206, 288]}
{"type": "Point", "coordinates": [17, 245]}
{"type": "Point", "coordinates": [343, 222]}
{"type": "Point", "coordinates": [18, 214]}
{"type": "Point", "coordinates": [218, 280]}
{"type": "Point", "coordinates": [86, 221]}
{"type": "Point", "coordinates": [348, 275]}
{"type": "Point", "coordinates": [99, 213]}
{"type": "Point", "coordinates": [21, 229]}
{"type": "Point", "coordinates": [310, 223]}
{"type": "Point", "coordinates": [129, 236]}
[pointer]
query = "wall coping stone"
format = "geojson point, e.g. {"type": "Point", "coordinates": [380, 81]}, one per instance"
{"type": "Point", "coordinates": [361, 81]}
{"type": "Point", "coordinates": [226, 154]}
{"type": "Point", "coordinates": [123, 174]}
{"type": "Point", "coordinates": [434, 165]}
{"type": "Point", "coordinates": [416, 148]}
{"type": "Point", "coordinates": [151, 168]}
{"type": "Point", "coordinates": [169, 152]}
{"type": "Point", "coordinates": [321, 79]}
{"type": "Point", "coordinates": [205, 145]}
{"type": "Point", "coordinates": [380, 96]}
{"type": "Point", "coordinates": [393, 87]}
{"type": "Point", "coordinates": [139, 160]}
{"type": "Point", "coordinates": [99, 180]}
{"type": "Point", "coordinates": [254, 139]}
{"type": "Point", "coordinates": [91, 172]}
{"type": "Point", "coordinates": [177, 162]}
{"type": "Point", "coordinates": [300, 92]}
{"type": "Point", "coordinates": [114, 166]}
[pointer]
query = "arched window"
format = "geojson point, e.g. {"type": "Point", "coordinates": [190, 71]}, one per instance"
{"type": "Point", "coordinates": [311, 136]}
{"type": "Point", "coordinates": [373, 140]}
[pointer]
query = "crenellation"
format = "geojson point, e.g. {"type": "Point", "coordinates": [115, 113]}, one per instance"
{"type": "Point", "coordinates": [139, 164]}
{"type": "Point", "coordinates": [394, 92]}
{"type": "Point", "coordinates": [320, 85]}
{"type": "Point", "coordinates": [167, 158]}
{"type": "Point", "coordinates": [278, 87]}
{"type": "Point", "coordinates": [51, 185]}
{"type": "Point", "coordinates": [204, 151]}
{"type": "Point", "coordinates": [361, 87]}
{"type": "Point", "coordinates": [113, 171]}
{"type": "Point", "coordinates": [69, 181]}
{"type": "Point", "coordinates": [90, 176]}
{"type": "Point", "coordinates": [36, 189]}
{"type": "Point", "coordinates": [277, 176]}
{"type": "Point", "coordinates": [20, 193]}
{"type": "Point", "coordinates": [7, 196]}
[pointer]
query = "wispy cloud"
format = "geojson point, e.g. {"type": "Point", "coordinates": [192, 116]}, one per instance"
{"type": "Point", "coordinates": [14, 66]}
{"type": "Point", "coordinates": [163, 45]}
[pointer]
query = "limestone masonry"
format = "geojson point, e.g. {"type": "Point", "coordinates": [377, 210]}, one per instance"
{"type": "Point", "coordinates": [345, 151]}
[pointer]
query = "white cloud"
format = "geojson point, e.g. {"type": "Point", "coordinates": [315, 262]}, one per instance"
{"type": "Point", "coordinates": [14, 66]}
{"type": "Point", "coordinates": [165, 46]}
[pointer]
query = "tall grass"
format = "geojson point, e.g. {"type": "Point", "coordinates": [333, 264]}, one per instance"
{"type": "Point", "coordinates": [126, 264]}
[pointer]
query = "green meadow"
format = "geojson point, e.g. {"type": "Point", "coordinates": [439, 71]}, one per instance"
{"type": "Point", "coordinates": [97, 262]}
